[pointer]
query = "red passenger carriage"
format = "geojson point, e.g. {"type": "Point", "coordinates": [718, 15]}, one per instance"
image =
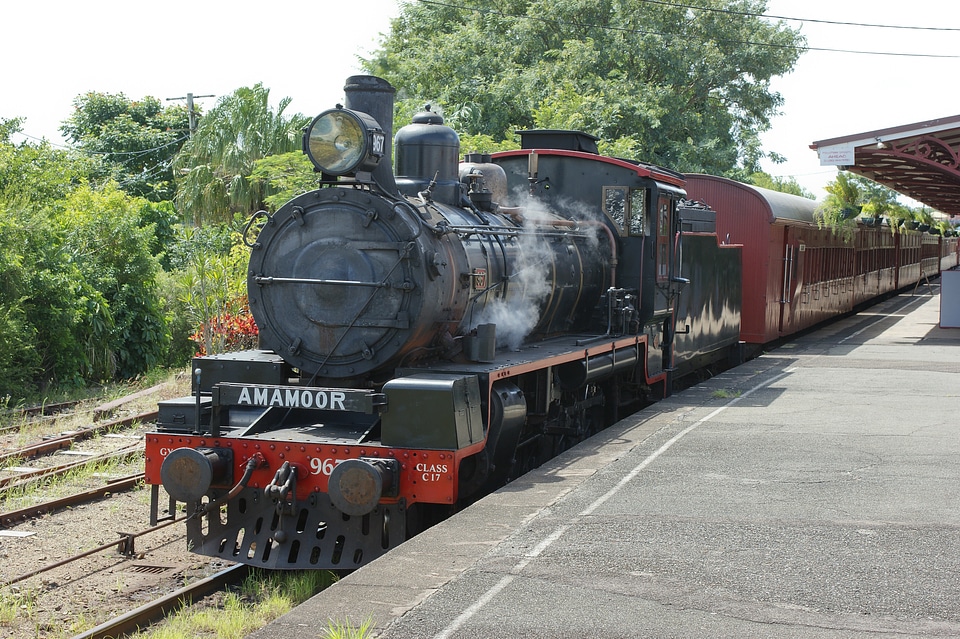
{"type": "Point", "coordinates": [796, 274]}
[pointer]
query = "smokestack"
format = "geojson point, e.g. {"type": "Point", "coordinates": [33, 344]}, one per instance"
{"type": "Point", "coordinates": [374, 96]}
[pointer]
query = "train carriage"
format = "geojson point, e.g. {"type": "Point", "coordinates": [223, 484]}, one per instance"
{"type": "Point", "coordinates": [796, 274]}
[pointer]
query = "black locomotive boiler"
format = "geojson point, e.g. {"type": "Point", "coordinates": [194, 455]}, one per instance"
{"type": "Point", "coordinates": [431, 332]}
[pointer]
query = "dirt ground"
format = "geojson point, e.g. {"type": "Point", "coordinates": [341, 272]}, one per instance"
{"type": "Point", "coordinates": [68, 600]}
{"type": "Point", "coordinates": [76, 597]}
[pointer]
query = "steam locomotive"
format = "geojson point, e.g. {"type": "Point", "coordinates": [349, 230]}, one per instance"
{"type": "Point", "coordinates": [429, 333]}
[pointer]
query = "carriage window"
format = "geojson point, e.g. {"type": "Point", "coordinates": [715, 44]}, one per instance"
{"type": "Point", "coordinates": [638, 207]}
{"type": "Point", "coordinates": [615, 205]}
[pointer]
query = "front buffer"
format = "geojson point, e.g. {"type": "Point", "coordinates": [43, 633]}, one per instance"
{"type": "Point", "coordinates": [300, 486]}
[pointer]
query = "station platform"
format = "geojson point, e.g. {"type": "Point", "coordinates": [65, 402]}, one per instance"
{"type": "Point", "coordinates": [812, 492]}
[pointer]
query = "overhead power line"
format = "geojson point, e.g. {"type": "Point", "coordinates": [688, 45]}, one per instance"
{"type": "Point", "coordinates": [816, 20]}
{"type": "Point", "coordinates": [191, 111]}
{"type": "Point", "coordinates": [80, 149]}
{"type": "Point", "coordinates": [665, 34]}
{"type": "Point", "coordinates": [136, 153]}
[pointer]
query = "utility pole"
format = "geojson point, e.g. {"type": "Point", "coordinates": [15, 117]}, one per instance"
{"type": "Point", "coordinates": [190, 111]}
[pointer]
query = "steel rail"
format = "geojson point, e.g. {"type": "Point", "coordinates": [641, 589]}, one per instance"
{"type": "Point", "coordinates": [32, 476]}
{"type": "Point", "coordinates": [151, 612]}
{"type": "Point", "coordinates": [67, 439]}
{"type": "Point", "coordinates": [47, 409]}
{"type": "Point", "coordinates": [112, 486]}
{"type": "Point", "coordinates": [124, 544]}
{"type": "Point", "coordinates": [36, 414]}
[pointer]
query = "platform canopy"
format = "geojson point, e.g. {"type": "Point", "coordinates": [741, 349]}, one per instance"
{"type": "Point", "coordinates": [921, 160]}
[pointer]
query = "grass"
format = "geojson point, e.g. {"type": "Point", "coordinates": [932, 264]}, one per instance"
{"type": "Point", "coordinates": [723, 393]}
{"type": "Point", "coordinates": [261, 598]}
{"type": "Point", "coordinates": [14, 604]}
{"type": "Point", "coordinates": [53, 487]}
{"type": "Point", "coordinates": [104, 393]}
{"type": "Point", "coordinates": [338, 630]}
{"type": "Point", "coordinates": [89, 399]}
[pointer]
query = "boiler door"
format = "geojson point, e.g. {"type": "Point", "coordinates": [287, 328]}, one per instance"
{"type": "Point", "coordinates": [336, 283]}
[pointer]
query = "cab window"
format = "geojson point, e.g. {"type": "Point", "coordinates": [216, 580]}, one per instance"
{"type": "Point", "coordinates": [615, 205]}
{"type": "Point", "coordinates": [626, 208]}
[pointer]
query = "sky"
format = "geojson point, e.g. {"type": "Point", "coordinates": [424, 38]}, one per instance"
{"type": "Point", "coordinates": [54, 51]}
{"type": "Point", "coordinates": [832, 94]}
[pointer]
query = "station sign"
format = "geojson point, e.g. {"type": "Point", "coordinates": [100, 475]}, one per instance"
{"type": "Point", "coordinates": [839, 155]}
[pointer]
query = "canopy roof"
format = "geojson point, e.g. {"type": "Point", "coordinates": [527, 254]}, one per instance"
{"type": "Point", "coordinates": [919, 160]}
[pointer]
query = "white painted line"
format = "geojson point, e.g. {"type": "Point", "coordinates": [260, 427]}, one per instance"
{"type": "Point", "coordinates": [880, 318]}
{"type": "Point", "coordinates": [472, 610]}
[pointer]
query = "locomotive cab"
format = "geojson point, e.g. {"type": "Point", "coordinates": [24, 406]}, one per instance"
{"type": "Point", "coordinates": [637, 204]}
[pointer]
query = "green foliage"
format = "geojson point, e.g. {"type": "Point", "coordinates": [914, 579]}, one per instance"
{"type": "Point", "coordinates": [483, 143]}
{"type": "Point", "coordinates": [877, 200]}
{"type": "Point", "coordinates": [9, 126]}
{"type": "Point", "coordinates": [163, 219]}
{"type": "Point", "coordinates": [36, 173]}
{"type": "Point", "coordinates": [783, 185]}
{"type": "Point", "coordinates": [46, 305]}
{"type": "Point", "coordinates": [210, 281]}
{"type": "Point", "coordinates": [682, 87]}
{"type": "Point", "coordinates": [179, 323]}
{"type": "Point", "coordinates": [218, 160]}
{"type": "Point", "coordinates": [103, 237]}
{"type": "Point", "coordinates": [924, 215]}
{"type": "Point", "coordinates": [894, 212]}
{"type": "Point", "coordinates": [843, 204]}
{"type": "Point", "coordinates": [83, 297]}
{"type": "Point", "coordinates": [850, 195]}
{"type": "Point", "coordinates": [286, 175]}
{"type": "Point", "coordinates": [262, 597]}
{"type": "Point", "coordinates": [20, 361]}
{"type": "Point", "coordinates": [133, 141]}
{"type": "Point", "coordinates": [346, 630]}
{"type": "Point", "coordinates": [77, 294]}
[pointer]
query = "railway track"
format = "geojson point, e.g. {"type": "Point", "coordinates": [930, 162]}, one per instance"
{"type": "Point", "coordinates": [157, 609]}
{"type": "Point", "coordinates": [68, 439]}
{"type": "Point", "coordinates": [126, 545]}
{"type": "Point", "coordinates": [19, 478]}
{"type": "Point", "coordinates": [71, 562]}
{"type": "Point", "coordinates": [131, 551]}
{"type": "Point", "coordinates": [27, 476]}
{"type": "Point", "coordinates": [47, 409]}
{"type": "Point", "coordinates": [36, 510]}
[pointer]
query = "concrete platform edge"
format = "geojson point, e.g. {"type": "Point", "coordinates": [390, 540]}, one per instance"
{"type": "Point", "coordinates": [391, 586]}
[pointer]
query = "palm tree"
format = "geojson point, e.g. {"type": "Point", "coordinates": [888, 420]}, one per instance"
{"type": "Point", "coordinates": [215, 165]}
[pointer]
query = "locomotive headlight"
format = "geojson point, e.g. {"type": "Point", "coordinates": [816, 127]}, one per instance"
{"type": "Point", "coordinates": [343, 142]}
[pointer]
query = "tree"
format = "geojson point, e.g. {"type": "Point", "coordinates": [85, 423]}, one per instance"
{"type": "Point", "coordinates": [849, 195]}
{"type": "Point", "coordinates": [59, 322]}
{"type": "Point", "coordinates": [20, 360]}
{"type": "Point", "coordinates": [36, 174]}
{"type": "Point", "coordinates": [79, 301]}
{"type": "Point", "coordinates": [287, 175]}
{"type": "Point", "coordinates": [208, 285]}
{"type": "Point", "coordinates": [687, 88]}
{"type": "Point", "coordinates": [40, 290]}
{"type": "Point", "coordinates": [134, 141]}
{"type": "Point", "coordinates": [841, 206]}
{"type": "Point", "coordinates": [218, 160]}
{"type": "Point", "coordinates": [104, 236]}
{"type": "Point", "coordinates": [783, 185]}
